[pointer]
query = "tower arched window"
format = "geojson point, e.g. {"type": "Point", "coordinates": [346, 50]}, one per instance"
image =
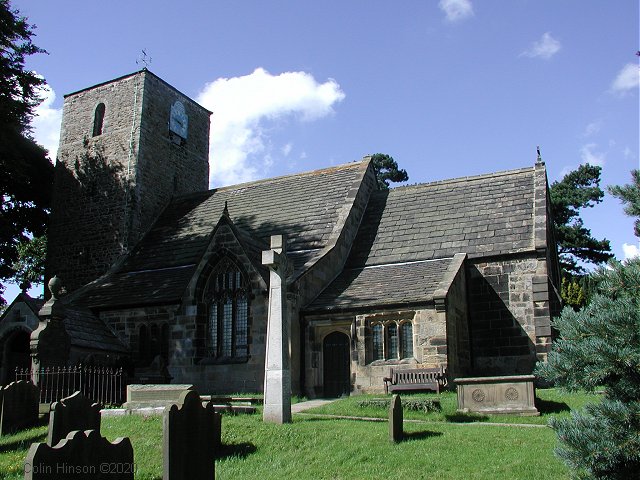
{"type": "Point", "coordinates": [98, 119]}
{"type": "Point", "coordinates": [227, 326]}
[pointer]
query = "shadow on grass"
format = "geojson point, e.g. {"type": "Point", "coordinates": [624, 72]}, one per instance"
{"type": "Point", "coordinates": [410, 436]}
{"type": "Point", "coordinates": [466, 418]}
{"type": "Point", "coordinates": [549, 406]}
{"type": "Point", "coordinates": [239, 450]}
{"type": "Point", "coordinates": [19, 444]}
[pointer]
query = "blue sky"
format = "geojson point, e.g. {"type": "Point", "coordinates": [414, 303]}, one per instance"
{"type": "Point", "coordinates": [448, 88]}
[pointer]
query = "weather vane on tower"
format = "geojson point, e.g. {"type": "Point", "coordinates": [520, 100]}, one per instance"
{"type": "Point", "coordinates": [144, 59]}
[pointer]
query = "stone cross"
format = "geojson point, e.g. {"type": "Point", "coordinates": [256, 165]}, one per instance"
{"type": "Point", "coordinates": [277, 372]}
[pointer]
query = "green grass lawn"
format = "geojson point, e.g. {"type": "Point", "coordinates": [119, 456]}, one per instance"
{"type": "Point", "coordinates": [315, 447]}
{"type": "Point", "coordinates": [550, 402]}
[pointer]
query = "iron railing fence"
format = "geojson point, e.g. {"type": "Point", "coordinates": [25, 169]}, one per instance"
{"type": "Point", "coordinates": [104, 385]}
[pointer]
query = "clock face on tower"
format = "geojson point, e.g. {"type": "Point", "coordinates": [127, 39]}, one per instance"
{"type": "Point", "coordinates": [179, 121]}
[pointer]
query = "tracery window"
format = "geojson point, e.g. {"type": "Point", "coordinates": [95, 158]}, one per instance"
{"type": "Point", "coordinates": [227, 329]}
{"type": "Point", "coordinates": [391, 340]}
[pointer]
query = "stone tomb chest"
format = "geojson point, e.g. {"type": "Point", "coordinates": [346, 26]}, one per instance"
{"type": "Point", "coordinates": [513, 395]}
{"type": "Point", "coordinates": [154, 395]}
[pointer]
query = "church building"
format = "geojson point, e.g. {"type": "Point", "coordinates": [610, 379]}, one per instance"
{"type": "Point", "coordinates": [460, 274]}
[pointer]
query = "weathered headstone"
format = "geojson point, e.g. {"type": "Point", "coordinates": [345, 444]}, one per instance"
{"type": "Point", "coordinates": [81, 456]}
{"type": "Point", "coordinates": [19, 403]}
{"type": "Point", "coordinates": [395, 419]}
{"type": "Point", "coordinates": [191, 434]}
{"type": "Point", "coordinates": [75, 412]}
{"type": "Point", "coordinates": [277, 373]}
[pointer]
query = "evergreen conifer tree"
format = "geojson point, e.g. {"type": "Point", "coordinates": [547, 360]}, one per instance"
{"type": "Point", "coordinates": [600, 346]}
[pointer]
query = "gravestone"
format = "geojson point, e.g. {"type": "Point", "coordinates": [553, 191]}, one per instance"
{"type": "Point", "coordinates": [395, 419]}
{"type": "Point", "coordinates": [81, 456]}
{"type": "Point", "coordinates": [191, 434]}
{"type": "Point", "coordinates": [75, 412]}
{"type": "Point", "coordinates": [277, 372]}
{"type": "Point", "coordinates": [19, 402]}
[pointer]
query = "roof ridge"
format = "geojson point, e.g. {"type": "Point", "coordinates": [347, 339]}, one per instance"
{"type": "Point", "coordinates": [238, 186]}
{"type": "Point", "coordinates": [502, 173]}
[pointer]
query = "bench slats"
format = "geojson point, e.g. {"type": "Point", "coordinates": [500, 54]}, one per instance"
{"type": "Point", "coordinates": [415, 379]}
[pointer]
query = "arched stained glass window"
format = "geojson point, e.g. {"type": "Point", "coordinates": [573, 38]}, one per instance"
{"type": "Point", "coordinates": [227, 331]}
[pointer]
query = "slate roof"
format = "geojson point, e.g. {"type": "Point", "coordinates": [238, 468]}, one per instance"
{"type": "Point", "coordinates": [88, 331]}
{"type": "Point", "coordinates": [84, 328]}
{"type": "Point", "coordinates": [307, 207]}
{"type": "Point", "coordinates": [408, 235]}
{"type": "Point", "coordinates": [383, 285]}
{"type": "Point", "coordinates": [481, 215]}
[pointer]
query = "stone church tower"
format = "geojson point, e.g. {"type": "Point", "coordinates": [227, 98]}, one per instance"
{"type": "Point", "coordinates": [126, 147]}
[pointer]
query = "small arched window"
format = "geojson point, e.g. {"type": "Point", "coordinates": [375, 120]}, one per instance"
{"type": "Point", "coordinates": [98, 120]}
{"type": "Point", "coordinates": [227, 330]}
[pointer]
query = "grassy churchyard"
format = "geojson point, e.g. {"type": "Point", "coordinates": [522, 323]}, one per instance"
{"type": "Point", "coordinates": [438, 444]}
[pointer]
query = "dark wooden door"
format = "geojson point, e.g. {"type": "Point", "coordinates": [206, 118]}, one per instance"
{"type": "Point", "coordinates": [335, 353]}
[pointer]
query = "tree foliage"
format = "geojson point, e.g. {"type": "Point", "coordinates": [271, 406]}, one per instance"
{"type": "Point", "coordinates": [26, 174]}
{"type": "Point", "coordinates": [29, 267]}
{"type": "Point", "coordinates": [600, 346]}
{"type": "Point", "coordinates": [387, 170]}
{"type": "Point", "coordinates": [578, 189]}
{"type": "Point", "coordinates": [630, 196]}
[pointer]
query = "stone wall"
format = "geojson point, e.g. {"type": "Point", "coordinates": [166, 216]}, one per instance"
{"type": "Point", "coordinates": [509, 313]}
{"type": "Point", "coordinates": [110, 188]}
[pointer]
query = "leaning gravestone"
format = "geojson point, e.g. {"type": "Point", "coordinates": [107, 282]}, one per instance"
{"type": "Point", "coordinates": [191, 434]}
{"type": "Point", "coordinates": [19, 403]}
{"type": "Point", "coordinates": [81, 456]}
{"type": "Point", "coordinates": [75, 412]}
{"type": "Point", "coordinates": [395, 419]}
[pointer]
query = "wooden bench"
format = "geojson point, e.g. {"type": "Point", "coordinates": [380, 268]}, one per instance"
{"type": "Point", "coordinates": [415, 379]}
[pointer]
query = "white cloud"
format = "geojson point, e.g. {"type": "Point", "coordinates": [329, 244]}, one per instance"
{"type": "Point", "coordinates": [630, 251]}
{"type": "Point", "coordinates": [46, 122]}
{"type": "Point", "coordinates": [244, 106]}
{"type": "Point", "coordinates": [286, 149]}
{"type": "Point", "coordinates": [589, 155]}
{"type": "Point", "coordinates": [544, 48]}
{"type": "Point", "coordinates": [628, 79]}
{"type": "Point", "coordinates": [456, 10]}
{"type": "Point", "coordinates": [593, 128]}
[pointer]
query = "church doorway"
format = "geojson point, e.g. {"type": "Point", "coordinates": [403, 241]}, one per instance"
{"type": "Point", "coordinates": [336, 363]}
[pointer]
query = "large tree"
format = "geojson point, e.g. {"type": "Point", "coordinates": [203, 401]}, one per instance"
{"type": "Point", "coordinates": [630, 196]}
{"type": "Point", "coordinates": [26, 174]}
{"type": "Point", "coordinates": [387, 170]}
{"type": "Point", "coordinates": [577, 190]}
{"type": "Point", "coordinates": [599, 346]}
